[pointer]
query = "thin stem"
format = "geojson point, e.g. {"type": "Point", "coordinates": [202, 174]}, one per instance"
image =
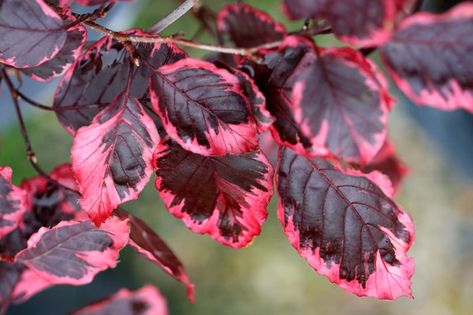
{"type": "Point", "coordinates": [51, 108]}
{"type": "Point", "coordinates": [30, 153]}
{"type": "Point", "coordinates": [126, 38]}
{"type": "Point", "coordinates": [174, 16]}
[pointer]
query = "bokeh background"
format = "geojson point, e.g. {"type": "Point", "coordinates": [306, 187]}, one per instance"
{"type": "Point", "coordinates": [269, 277]}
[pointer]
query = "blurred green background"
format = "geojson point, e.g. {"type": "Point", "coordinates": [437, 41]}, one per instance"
{"type": "Point", "coordinates": [269, 277]}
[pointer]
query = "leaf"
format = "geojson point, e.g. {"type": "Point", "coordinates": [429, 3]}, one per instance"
{"type": "Point", "coordinates": [345, 227]}
{"type": "Point", "coordinates": [73, 252]}
{"type": "Point", "coordinates": [388, 163]}
{"type": "Point", "coordinates": [146, 301]}
{"type": "Point", "coordinates": [100, 75]}
{"type": "Point", "coordinates": [430, 59]}
{"type": "Point", "coordinates": [12, 202]}
{"type": "Point", "coordinates": [341, 103]}
{"type": "Point", "coordinates": [202, 108]}
{"type": "Point", "coordinates": [31, 32]}
{"type": "Point", "coordinates": [248, 26]}
{"type": "Point", "coordinates": [67, 55]}
{"type": "Point", "coordinates": [225, 197]}
{"type": "Point", "coordinates": [111, 158]}
{"type": "Point", "coordinates": [358, 22]}
{"type": "Point", "coordinates": [149, 244]}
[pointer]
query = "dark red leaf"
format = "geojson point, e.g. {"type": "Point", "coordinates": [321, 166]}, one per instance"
{"type": "Point", "coordinates": [359, 22]}
{"type": "Point", "coordinates": [225, 197]}
{"type": "Point", "coordinates": [100, 75]}
{"type": "Point", "coordinates": [345, 227]}
{"type": "Point", "coordinates": [31, 32]}
{"type": "Point", "coordinates": [12, 202]}
{"type": "Point", "coordinates": [388, 163]}
{"type": "Point", "coordinates": [111, 158]}
{"type": "Point", "coordinates": [341, 103]}
{"type": "Point", "coordinates": [73, 252]}
{"type": "Point", "coordinates": [148, 244]}
{"type": "Point", "coordinates": [248, 26]}
{"type": "Point", "coordinates": [430, 59]}
{"type": "Point", "coordinates": [67, 55]}
{"type": "Point", "coordinates": [202, 108]}
{"type": "Point", "coordinates": [145, 301]}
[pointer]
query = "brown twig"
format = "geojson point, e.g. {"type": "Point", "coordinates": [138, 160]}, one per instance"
{"type": "Point", "coordinates": [127, 38]}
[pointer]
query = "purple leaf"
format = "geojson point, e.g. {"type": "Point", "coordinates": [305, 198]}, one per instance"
{"type": "Point", "coordinates": [341, 103]}
{"type": "Point", "coordinates": [67, 55]}
{"type": "Point", "coordinates": [202, 108]}
{"type": "Point", "coordinates": [31, 32]}
{"type": "Point", "coordinates": [222, 196]}
{"type": "Point", "coordinates": [345, 227]}
{"type": "Point", "coordinates": [430, 59]}
{"type": "Point", "coordinates": [73, 252]}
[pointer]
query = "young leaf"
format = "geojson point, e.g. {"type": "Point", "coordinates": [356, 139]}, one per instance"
{"type": "Point", "coordinates": [145, 301]}
{"type": "Point", "coordinates": [223, 196]}
{"type": "Point", "coordinates": [358, 22]}
{"type": "Point", "coordinates": [111, 158]}
{"type": "Point", "coordinates": [31, 32]}
{"type": "Point", "coordinates": [148, 244]}
{"type": "Point", "coordinates": [202, 108]}
{"type": "Point", "coordinates": [247, 26]}
{"type": "Point", "coordinates": [100, 75]}
{"type": "Point", "coordinates": [345, 227]}
{"type": "Point", "coordinates": [67, 55]}
{"type": "Point", "coordinates": [341, 103]}
{"type": "Point", "coordinates": [12, 202]}
{"type": "Point", "coordinates": [430, 59]}
{"type": "Point", "coordinates": [73, 252]}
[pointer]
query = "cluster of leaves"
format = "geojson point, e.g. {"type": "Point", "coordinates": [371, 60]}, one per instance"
{"type": "Point", "coordinates": [136, 103]}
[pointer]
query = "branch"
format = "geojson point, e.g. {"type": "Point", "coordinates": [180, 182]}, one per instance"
{"type": "Point", "coordinates": [127, 38]}
{"type": "Point", "coordinates": [51, 108]}
{"type": "Point", "coordinates": [174, 16]}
